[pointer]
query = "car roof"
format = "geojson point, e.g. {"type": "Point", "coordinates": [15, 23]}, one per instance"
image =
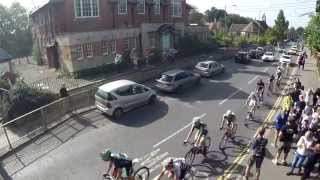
{"type": "Point", "coordinates": [208, 62]}
{"type": "Point", "coordinates": [111, 86]}
{"type": "Point", "coordinates": [173, 72]}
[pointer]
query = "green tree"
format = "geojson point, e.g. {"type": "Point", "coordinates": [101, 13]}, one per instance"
{"type": "Point", "coordinates": [36, 53]}
{"type": "Point", "coordinates": [281, 27]}
{"type": "Point", "coordinates": [300, 31]}
{"type": "Point", "coordinates": [215, 14]}
{"type": "Point", "coordinates": [15, 33]}
{"type": "Point", "coordinates": [313, 33]}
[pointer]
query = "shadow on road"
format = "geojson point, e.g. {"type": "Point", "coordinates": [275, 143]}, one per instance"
{"type": "Point", "coordinates": [143, 116]}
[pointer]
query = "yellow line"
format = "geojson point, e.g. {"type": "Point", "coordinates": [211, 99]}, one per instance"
{"type": "Point", "coordinates": [242, 154]}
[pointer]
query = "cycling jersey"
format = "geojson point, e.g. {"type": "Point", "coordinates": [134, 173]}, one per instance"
{"type": "Point", "coordinates": [230, 119]}
{"type": "Point", "coordinates": [271, 79]}
{"type": "Point", "coordinates": [201, 127]}
{"type": "Point", "coordinates": [179, 168]}
{"type": "Point", "coordinates": [260, 85]}
{"type": "Point", "coordinates": [121, 161]}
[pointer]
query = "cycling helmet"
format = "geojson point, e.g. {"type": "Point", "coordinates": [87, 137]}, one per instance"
{"type": "Point", "coordinates": [196, 119]}
{"type": "Point", "coordinates": [106, 155]}
{"type": "Point", "coordinates": [229, 112]}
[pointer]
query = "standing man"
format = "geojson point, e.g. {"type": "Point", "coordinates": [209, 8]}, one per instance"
{"type": "Point", "coordinates": [258, 152]}
{"type": "Point", "coordinates": [280, 121]}
{"type": "Point", "coordinates": [63, 91]}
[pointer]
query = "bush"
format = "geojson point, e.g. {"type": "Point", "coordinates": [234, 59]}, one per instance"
{"type": "Point", "coordinates": [191, 46]}
{"type": "Point", "coordinates": [4, 84]}
{"type": "Point", "coordinates": [36, 54]}
{"type": "Point", "coordinates": [25, 99]}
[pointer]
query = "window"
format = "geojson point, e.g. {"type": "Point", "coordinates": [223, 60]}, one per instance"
{"type": "Point", "coordinates": [86, 8]}
{"type": "Point", "coordinates": [77, 52]}
{"type": "Point", "coordinates": [105, 48]}
{"type": "Point", "coordinates": [156, 7]}
{"type": "Point", "coordinates": [113, 46]}
{"type": "Point", "coordinates": [88, 48]}
{"type": "Point", "coordinates": [122, 6]}
{"type": "Point", "coordinates": [176, 8]}
{"type": "Point", "coordinates": [126, 44]}
{"type": "Point", "coordinates": [132, 43]}
{"type": "Point", "coordinates": [141, 6]}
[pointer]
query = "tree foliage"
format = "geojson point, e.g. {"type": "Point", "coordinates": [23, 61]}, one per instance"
{"type": "Point", "coordinates": [313, 32]}
{"type": "Point", "coordinates": [196, 17]}
{"type": "Point", "coordinates": [300, 31]}
{"type": "Point", "coordinates": [15, 33]}
{"type": "Point", "coordinates": [281, 27]}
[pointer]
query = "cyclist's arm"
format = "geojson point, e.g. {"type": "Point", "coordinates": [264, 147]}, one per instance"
{"type": "Point", "coordinates": [161, 174]}
{"type": "Point", "coordinates": [110, 167]}
{"type": "Point", "coordinates": [223, 121]}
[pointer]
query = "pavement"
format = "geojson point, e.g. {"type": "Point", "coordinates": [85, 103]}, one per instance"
{"type": "Point", "coordinates": [154, 133]}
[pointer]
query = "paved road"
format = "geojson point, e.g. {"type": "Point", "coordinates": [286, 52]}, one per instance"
{"type": "Point", "coordinates": [152, 133]}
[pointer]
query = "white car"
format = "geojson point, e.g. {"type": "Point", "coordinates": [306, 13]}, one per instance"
{"type": "Point", "coordinates": [268, 56]}
{"type": "Point", "coordinates": [293, 51]}
{"type": "Point", "coordinates": [116, 97]}
{"type": "Point", "coordinates": [209, 68]}
{"type": "Point", "coordinates": [286, 58]}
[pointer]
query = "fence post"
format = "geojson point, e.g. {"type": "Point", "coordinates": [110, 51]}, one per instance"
{"type": "Point", "coordinates": [43, 119]}
{"type": "Point", "coordinates": [7, 137]}
{"type": "Point", "coordinates": [89, 92]}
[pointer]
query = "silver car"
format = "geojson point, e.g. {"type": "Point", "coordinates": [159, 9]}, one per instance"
{"type": "Point", "coordinates": [209, 68]}
{"type": "Point", "coordinates": [177, 80]}
{"type": "Point", "coordinates": [116, 97]}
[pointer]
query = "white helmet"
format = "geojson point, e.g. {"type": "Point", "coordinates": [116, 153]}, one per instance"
{"type": "Point", "coordinates": [196, 119]}
{"type": "Point", "coordinates": [229, 112]}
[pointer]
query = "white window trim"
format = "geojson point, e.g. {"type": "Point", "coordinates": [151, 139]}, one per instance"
{"type": "Point", "coordinates": [82, 53]}
{"type": "Point", "coordinates": [172, 8]}
{"type": "Point", "coordinates": [105, 48]}
{"type": "Point", "coordinates": [86, 49]}
{"type": "Point", "coordinates": [158, 3]}
{"type": "Point", "coordinates": [144, 7]}
{"type": "Point", "coordinates": [120, 13]}
{"type": "Point", "coordinates": [79, 17]}
{"type": "Point", "coordinates": [115, 46]}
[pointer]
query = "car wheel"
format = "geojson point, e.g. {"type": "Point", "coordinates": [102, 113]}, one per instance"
{"type": "Point", "coordinates": [152, 99]}
{"type": "Point", "coordinates": [117, 113]}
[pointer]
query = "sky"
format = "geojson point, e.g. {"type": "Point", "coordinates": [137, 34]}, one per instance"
{"type": "Point", "coordinates": [248, 8]}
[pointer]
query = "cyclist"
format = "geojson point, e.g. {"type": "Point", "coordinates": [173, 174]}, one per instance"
{"type": "Point", "coordinates": [119, 162]}
{"type": "Point", "coordinates": [279, 74]}
{"type": "Point", "coordinates": [201, 131]}
{"type": "Point", "coordinates": [271, 80]}
{"type": "Point", "coordinates": [260, 89]}
{"type": "Point", "coordinates": [252, 102]}
{"type": "Point", "coordinates": [175, 167]}
{"type": "Point", "coordinates": [230, 119]}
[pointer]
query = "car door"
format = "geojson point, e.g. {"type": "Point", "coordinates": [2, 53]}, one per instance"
{"type": "Point", "coordinates": [215, 68]}
{"type": "Point", "coordinates": [125, 96]}
{"type": "Point", "coordinates": [180, 80]}
{"type": "Point", "coordinates": [137, 95]}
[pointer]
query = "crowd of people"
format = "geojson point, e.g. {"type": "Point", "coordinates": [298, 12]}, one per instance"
{"type": "Point", "coordinates": [298, 123]}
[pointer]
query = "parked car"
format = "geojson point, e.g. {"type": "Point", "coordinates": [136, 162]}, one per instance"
{"type": "Point", "coordinates": [260, 51]}
{"type": "Point", "coordinates": [286, 58]}
{"type": "Point", "coordinates": [293, 51]}
{"type": "Point", "coordinates": [253, 54]}
{"type": "Point", "coordinates": [268, 56]}
{"type": "Point", "coordinates": [177, 80]}
{"type": "Point", "coordinates": [116, 97]}
{"type": "Point", "coordinates": [209, 68]}
{"type": "Point", "coordinates": [242, 57]}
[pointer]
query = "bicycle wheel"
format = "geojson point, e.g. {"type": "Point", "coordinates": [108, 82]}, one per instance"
{"type": "Point", "coordinates": [190, 156]}
{"type": "Point", "coordinates": [107, 177]}
{"type": "Point", "coordinates": [142, 173]}
{"type": "Point", "coordinates": [222, 141]}
{"type": "Point", "coordinates": [207, 144]}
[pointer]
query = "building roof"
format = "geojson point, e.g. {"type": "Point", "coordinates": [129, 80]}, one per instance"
{"type": "Point", "coordinates": [252, 27]}
{"type": "Point", "coordinates": [237, 27]}
{"type": "Point", "coordinates": [47, 2]}
{"type": "Point", "coordinates": [4, 56]}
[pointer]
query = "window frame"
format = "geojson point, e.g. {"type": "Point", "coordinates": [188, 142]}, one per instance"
{"type": "Point", "coordinates": [81, 9]}
{"type": "Point", "coordinates": [144, 6]}
{"type": "Point", "coordinates": [86, 48]}
{"type": "Point", "coordinates": [78, 49]}
{"type": "Point", "coordinates": [126, 9]}
{"type": "Point", "coordinates": [156, 8]}
{"type": "Point", "coordinates": [113, 46]}
{"type": "Point", "coordinates": [177, 3]}
{"type": "Point", "coordinates": [105, 48]}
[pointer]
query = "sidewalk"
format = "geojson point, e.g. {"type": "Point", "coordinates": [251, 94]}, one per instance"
{"type": "Point", "coordinates": [310, 79]}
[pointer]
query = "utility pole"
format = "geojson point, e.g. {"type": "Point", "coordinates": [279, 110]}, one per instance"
{"type": "Point", "coordinates": [225, 18]}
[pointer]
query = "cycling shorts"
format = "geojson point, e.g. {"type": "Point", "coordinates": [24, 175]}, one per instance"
{"type": "Point", "coordinates": [252, 103]}
{"type": "Point", "coordinates": [124, 163]}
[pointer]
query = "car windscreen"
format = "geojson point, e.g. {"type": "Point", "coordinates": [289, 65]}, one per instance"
{"type": "Point", "coordinates": [286, 57]}
{"type": "Point", "coordinates": [204, 65]}
{"type": "Point", "coordinates": [166, 78]}
{"type": "Point", "coordinates": [269, 54]}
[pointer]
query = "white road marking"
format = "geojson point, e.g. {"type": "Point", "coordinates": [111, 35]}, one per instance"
{"type": "Point", "coordinates": [158, 159]}
{"type": "Point", "coordinates": [222, 102]}
{"type": "Point", "coordinates": [149, 155]}
{"type": "Point", "coordinates": [266, 70]}
{"type": "Point", "coordinates": [253, 79]}
{"type": "Point", "coordinates": [172, 135]}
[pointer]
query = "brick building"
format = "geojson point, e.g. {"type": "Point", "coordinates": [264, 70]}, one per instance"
{"type": "Point", "coordinates": [80, 34]}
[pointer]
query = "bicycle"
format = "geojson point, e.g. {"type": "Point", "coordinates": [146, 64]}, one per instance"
{"type": "Point", "coordinates": [203, 149]}
{"type": "Point", "coordinates": [228, 133]}
{"type": "Point", "coordinates": [141, 173]}
{"type": "Point", "coordinates": [251, 112]}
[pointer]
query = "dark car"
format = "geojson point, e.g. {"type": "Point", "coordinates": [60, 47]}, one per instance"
{"type": "Point", "coordinates": [254, 54]}
{"type": "Point", "coordinates": [242, 57]}
{"type": "Point", "coordinates": [177, 80]}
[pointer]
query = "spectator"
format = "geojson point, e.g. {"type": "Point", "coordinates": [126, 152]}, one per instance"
{"type": "Point", "coordinates": [63, 91]}
{"type": "Point", "coordinates": [303, 147]}
{"type": "Point", "coordinates": [312, 159]}
{"type": "Point", "coordinates": [309, 97]}
{"type": "Point", "coordinates": [280, 121]}
{"type": "Point", "coordinates": [286, 139]}
{"type": "Point", "coordinates": [301, 104]}
{"type": "Point", "coordinates": [295, 95]}
{"type": "Point", "coordinates": [287, 102]}
{"type": "Point", "coordinates": [316, 96]}
{"type": "Point", "coordinates": [258, 152]}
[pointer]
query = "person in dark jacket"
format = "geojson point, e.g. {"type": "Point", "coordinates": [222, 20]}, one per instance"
{"type": "Point", "coordinates": [312, 159]}
{"type": "Point", "coordinates": [63, 91]}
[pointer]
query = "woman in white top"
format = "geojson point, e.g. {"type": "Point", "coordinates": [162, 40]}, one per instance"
{"type": "Point", "coordinates": [309, 97]}
{"type": "Point", "coordinates": [303, 147]}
